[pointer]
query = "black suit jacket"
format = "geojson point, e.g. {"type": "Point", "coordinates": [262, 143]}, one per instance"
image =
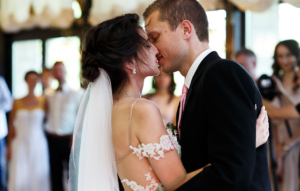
{"type": "Point", "coordinates": [218, 127]}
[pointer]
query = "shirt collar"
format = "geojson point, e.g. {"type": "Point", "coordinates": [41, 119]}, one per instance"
{"type": "Point", "coordinates": [193, 68]}
{"type": "Point", "coordinates": [65, 87]}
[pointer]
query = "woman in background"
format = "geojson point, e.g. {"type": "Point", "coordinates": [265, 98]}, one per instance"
{"type": "Point", "coordinates": [27, 148]}
{"type": "Point", "coordinates": [164, 97]}
{"type": "Point", "coordinates": [287, 146]}
{"type": "Point", "coordinates": [286, 112]}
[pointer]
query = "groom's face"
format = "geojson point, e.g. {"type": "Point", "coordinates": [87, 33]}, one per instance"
{"type": "Point", "coordinates": [168, 42]}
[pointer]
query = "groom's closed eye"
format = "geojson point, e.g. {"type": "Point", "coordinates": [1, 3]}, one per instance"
{"type": "Point", "coordinates": [153, 38]}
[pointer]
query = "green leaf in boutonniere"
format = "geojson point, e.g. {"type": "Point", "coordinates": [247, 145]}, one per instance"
{"type": "Point", "coordinates": [172, 128]}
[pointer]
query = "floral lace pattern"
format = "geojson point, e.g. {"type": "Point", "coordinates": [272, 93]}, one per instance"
{"type": "Point", "coordinates": [156, 150]}
{"type": "Point", "coordinates": [135, 187]}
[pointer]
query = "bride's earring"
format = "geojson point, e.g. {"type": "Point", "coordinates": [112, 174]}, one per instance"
{"type": "Point", "coordinates": [134, 71]}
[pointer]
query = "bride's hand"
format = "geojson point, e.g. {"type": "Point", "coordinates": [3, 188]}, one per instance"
{"type": "Point", "coordinates": [262, 128]}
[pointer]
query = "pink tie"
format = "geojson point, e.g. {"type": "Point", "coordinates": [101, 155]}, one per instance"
{"type": "Point", "coordinates": [182, 103]}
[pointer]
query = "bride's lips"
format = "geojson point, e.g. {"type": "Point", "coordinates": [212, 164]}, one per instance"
{"type": "Point", "coordinates": [159, 57]}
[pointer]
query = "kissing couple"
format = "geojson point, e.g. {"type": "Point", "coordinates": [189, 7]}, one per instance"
{"type": "Point", "coordinates": [222, 126]}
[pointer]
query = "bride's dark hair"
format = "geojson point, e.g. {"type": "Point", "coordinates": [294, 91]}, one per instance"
{"type": "Point", "coordinates": [111, 44]}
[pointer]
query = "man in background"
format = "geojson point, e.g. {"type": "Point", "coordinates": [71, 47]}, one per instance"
{"type": "Point", "coordinates": [62, 106]}
{"type": "Point", "coordinates": [47, 78]}
{"type": "Point", "coordinates": [5, 106]}
{"type": "Point", "coordinates": [247, 59]}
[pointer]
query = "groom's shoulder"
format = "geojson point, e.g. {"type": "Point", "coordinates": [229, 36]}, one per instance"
{"type": "Point", "coordinates": [227, 71]}
{"type": "Point", "coordinates": [225, 66]}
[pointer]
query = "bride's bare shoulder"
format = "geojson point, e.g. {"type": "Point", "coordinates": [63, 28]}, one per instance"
{"type": "Point", "coordinates": [144, 108]}
{"type": "Point", "coordinates": [146, 116]}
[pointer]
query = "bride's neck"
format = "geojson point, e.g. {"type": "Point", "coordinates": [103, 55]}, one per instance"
{"type": "Point", "coordinates": [133, 88]}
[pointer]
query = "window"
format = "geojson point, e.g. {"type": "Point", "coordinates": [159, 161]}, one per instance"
{"type": "Point", "coordinates": [26, 56]}
{"type": "Point", "coordinates": [288, 27]}
{"type": "Point", "coordinates": [65, 49]}
{"type": "Point", "coordinates": [264, 30]}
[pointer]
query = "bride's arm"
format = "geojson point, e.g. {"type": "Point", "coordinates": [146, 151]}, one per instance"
{"type": "Point", "coordinates": [148, 127]}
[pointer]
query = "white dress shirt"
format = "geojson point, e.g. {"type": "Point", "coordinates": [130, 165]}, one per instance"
{"type": "Point", "coordinates": [62, 110]}
{"type": "Point", "coordinates": [5, 106]}
{"type": "Point", "coordinates": [194, 67]}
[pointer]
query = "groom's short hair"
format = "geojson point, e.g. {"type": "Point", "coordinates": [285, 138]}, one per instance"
{"type": "Point", "coordinates": [176, 11]}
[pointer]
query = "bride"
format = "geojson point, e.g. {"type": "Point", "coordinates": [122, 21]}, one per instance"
{"type": "Point", "coordinates": [116, 131]}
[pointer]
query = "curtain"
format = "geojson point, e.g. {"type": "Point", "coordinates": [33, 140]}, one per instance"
{"type": "Point", "coordinates": [253, 5]}
{"type": "Point", "coordinates": [16, 15]}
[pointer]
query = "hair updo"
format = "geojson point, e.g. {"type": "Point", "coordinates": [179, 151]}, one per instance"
{"type": "Point", "coordinates": [109, 45]}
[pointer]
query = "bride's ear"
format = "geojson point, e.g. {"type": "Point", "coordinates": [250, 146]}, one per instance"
{"type": "Point", "coordinates": [129, 66]}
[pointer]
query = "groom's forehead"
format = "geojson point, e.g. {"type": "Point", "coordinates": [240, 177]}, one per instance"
{"type": "Point", "coordinates": [149, 26]}
{"type": "Point", "coordinates": [152, 20]}
{"type": "Point", "coordinates": [154, 25]}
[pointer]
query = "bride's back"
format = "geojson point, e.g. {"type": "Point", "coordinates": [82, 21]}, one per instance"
{"type": "Point", "coordinates": [125, 130]}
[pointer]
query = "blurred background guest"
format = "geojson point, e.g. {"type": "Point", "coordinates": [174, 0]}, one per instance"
{"type": "Point", "coordinates": [286, 112]}
{"type": "Point", "coordinates": [286, 144]}
{"type": "Point", "coordinates": [47, 78]}
{"type": "Point", "coordinates": [27, 146]}
{"type": "Point", "coordinates": [5, 106]}
{"type": "Point", "coordinates": [164, 97]}
{"type": "Point", "coordinates": [247, 59]}
{"type": "Point", "coordinates": [62, 106]}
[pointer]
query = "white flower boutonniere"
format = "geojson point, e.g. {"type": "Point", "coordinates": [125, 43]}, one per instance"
{"type": "Point", "coordinates": [172, 128]}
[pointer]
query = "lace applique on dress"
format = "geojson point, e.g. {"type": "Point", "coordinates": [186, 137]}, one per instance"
{"type": "Point", "coordinates": [135, 187]}
{"type": "Point", "coordinates": [156, 150]}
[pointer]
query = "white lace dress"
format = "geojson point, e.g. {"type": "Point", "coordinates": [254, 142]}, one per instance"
{"type": "Point", "coordinates": [155, 151]}
{"type": "Point", "coordinates": [29, 165]}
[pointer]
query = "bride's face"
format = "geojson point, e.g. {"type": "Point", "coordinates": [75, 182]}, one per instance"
{"type": "Point", "coordinates": [148, 65]}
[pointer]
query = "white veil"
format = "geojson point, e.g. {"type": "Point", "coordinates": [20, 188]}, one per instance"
{"type": "Point", "coordinates": [92, 164]}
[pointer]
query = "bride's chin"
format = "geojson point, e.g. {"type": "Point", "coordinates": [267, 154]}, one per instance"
{"type": "Point", "coordinates": [156, 73]}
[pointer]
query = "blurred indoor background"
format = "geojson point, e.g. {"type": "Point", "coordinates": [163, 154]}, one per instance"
{"type": "Point", "coordinates": [34, 34]}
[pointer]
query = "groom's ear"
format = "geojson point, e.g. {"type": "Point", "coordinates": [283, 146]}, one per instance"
{"type": "Point", "coordinates": [187, 29]}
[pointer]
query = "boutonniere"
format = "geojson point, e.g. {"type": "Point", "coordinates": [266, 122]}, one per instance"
{"type": "Point", "coordinates": [172, 128]}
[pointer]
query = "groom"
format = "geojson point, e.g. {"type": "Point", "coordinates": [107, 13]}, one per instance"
{"type": "Point", "coordinates": [217, 119]}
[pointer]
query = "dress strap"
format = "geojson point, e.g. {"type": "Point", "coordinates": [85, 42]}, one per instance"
{"type": "Point", "coordinates": [129, 132]}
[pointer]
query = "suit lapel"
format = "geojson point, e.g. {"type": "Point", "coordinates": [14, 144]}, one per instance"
{"type": "Point", "coordinates": [208, 59]}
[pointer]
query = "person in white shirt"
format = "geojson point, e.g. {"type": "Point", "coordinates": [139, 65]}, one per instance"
{"type": "Point", "coordinates": [247, 59]}
{"type": "Point", "coordinates": [5, 106]}
{"type": "Point", "coordinates": [62, 106]}
{"type": "Point", "coordinates": [46, 79]}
